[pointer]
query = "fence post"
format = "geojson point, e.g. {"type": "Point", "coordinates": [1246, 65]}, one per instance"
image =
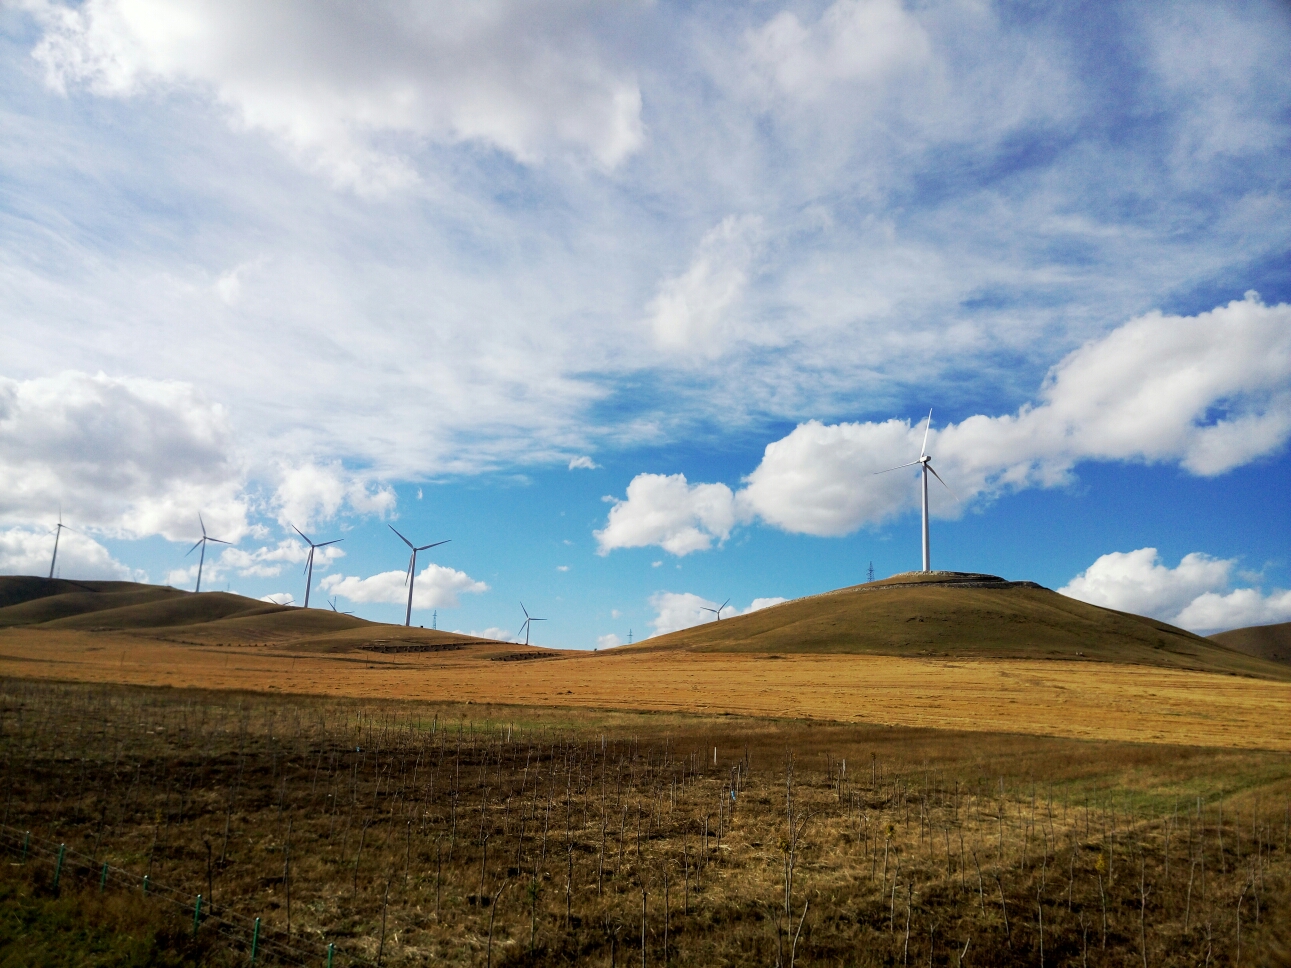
{"type": "Point", "coordinates": [255, 940]}
{"type": "Point", "coordinates": [58, 868]}
{"type": "Point", "coordinates": [197, 914]}
{"type": "Point", "coordinates": [26, 839]}
{"type": "Point", "coordinates": [103, 880]}
{"type": "Point", "coordinates": [145, 885]}
{"type": "Point", "coordinates": [331, 948]}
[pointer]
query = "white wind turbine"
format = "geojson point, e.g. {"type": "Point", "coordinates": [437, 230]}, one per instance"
{"type": "Point", "coordinates": [58, 532]}
{"type": "Point", "coordinates": [412, 568]}
{"type": "Point", "coordinates": [309, 562]}
{"type": "Point", "coordinates": [925, 466]}
{"type": "Point", "coordinates": [203, 542]}
{"type": "Point", "coordinates": [528, 620]}
{"type": "Point", "coordinates": [716, 611]}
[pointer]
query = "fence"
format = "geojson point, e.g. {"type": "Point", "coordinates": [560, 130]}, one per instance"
{"type": "Point", "coordinates": [260, 944]}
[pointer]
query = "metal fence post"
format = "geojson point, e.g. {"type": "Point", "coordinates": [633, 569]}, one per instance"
{"type": "Point", "coordinates": [197, 914]}
{"type": "Point", "coordinates": [58, 868]}
{"type": "Point", "coordinates": [255, 940]}
{"type": "Point", "coordinates": [103, 880]}
{"type": "Point", "coordinates": [331, 948]}
{"type": "Point", "coordinates": [26, 839]}
{"type": "Point", "coordinates": [145, 885]}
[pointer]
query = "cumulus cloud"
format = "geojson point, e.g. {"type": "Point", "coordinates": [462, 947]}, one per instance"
{"type": "Point", "coordinates": [760, 603]}
{"type": "Point", "coordinates": [1193, 595]}
{"type": "Point", "coordinates": [28, 552]}
{"type": "Point", "coordinates": [310, 493]}
{"type": "Point", "coordinates": [266, 562]}
{"type": "Point", "coordinates": [584, 463]}
{"type": "Point", "coordinates": [492, 632]}
{"type": "Point", "coordinates": [678, 610]}
{"type": "Point", "coordinates": [435, 587]}
{"type": "Point", "coordinates": [279, 598]}
{"type": "Point", "coordinates": [128, 457]}
{"type": "Point", "coordinates": [1209, 392]}
{"type": "Point", "coordinates": [692, 310]}
{"type": "Point", "coordinates": [664, 510]}
{"type": "Point", "coordinates": [345, 88]}
{"type": "Point", "coordinates": [608, 641]}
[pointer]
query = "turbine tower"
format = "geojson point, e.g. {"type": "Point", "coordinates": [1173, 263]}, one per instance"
{"type": "Point", "coordinates": [202, 560]}
{"type": "Point", "coordinates": [716, 611]}
{"type": "Point", "coordinates": [925, 467]}
{"type": "Point", "coordinates": [58, 532]}
{"type": "Point", "coordinates": [309, 562]}
{"type": "Point", "coordinates": [528, 619]}
{"type": "Point", "coordinates": [412, 568]}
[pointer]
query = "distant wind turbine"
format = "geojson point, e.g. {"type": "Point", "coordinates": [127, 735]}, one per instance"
{"type": "Point", "coordinates": [528, 620]}
{"type": "Point", "coordinates": [412, 568]}
{"type": "Point", "coordinates": [925, 466]}
{"type": "Point", "coordinates": [332, 602]}
{"type": "Point", "coordinates": [309, 562]}
{"type": "Point", "coordinates": [716, 611]}
{"type": "Point", "coordinates": [203, 542]}
{"type": "Point", "coordinates": [58, 532]}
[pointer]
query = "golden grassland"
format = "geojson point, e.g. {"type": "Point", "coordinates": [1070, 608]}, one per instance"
{"type": "Point", "coordinates": [408, 833]}
{"type": "Point", "coordinates": [1046, 697]}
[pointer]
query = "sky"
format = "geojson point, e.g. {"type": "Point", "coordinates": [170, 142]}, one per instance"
{"type": "Point", "coordinates": [630, 302]}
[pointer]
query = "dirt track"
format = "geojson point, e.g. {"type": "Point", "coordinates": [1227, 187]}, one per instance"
{"type": "Point", "coordinates": [1058, 698]}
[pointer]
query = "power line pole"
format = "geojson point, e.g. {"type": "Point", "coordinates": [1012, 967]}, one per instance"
{"type": "Point", "coordinates": [629, 636]}
{"type": "Point", "coordinates": [434, 616]}
{"type": "Point", "coordinates": [871, 572]}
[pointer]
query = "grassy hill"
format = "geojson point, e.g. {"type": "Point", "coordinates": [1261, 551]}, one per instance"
{"type": "Point", "coordinates": [1271, 642]}
{"type": "Point", "coordinates": [217, 618]}
{"type": "Point", "coordinates": [961, 615]}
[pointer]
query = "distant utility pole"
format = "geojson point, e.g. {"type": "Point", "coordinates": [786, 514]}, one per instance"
{"type": "Point", "coordinates": [434, 617]}
{"type": "Point", "coordinates": [871, 572]}
{"type": "Point", "coordinates": [629, 636]}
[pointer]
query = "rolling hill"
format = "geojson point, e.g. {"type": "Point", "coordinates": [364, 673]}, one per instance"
{"type": "Point", "coordinates": [209, 618]}
{"type": "Point", "coordinates": [1271, 642]}
{"type": "Point", "coordinates": [956, 614]}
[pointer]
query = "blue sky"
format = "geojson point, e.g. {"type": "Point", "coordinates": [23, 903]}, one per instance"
{"type": "Point", "coordinates": [630, 302]}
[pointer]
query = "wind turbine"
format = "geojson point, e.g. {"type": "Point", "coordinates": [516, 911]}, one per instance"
{"type": "Point", "coordinates": [925, 466]}
{"type": "Point", "coordinates": [309, 562]}
{"type": "Point", "coordinates": [412, 568]}
{"type": "Point", "coordinates": [332, 602]}
{"type": "Point", "coordinates": [58, 532]}
{"type": "Point", "coordinates": [202, 560]}
{"type": "Point", "coordinates": [716, 611]}
{"type": "Point", "coordinates": [528, 620]}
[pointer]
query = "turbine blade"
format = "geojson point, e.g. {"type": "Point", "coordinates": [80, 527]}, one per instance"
{"type": "Point", "coordinates": [218, 540]}
{"type": "Point", "coordinates": [194, 548]}
{"type": "Point", "coordinates": [401, 537]}
{"type": "Point", "coordinates": [525, 610]}
{"type": "Point", "coordinates": [924, 449]}
{"type": "Point", "coordinates": [302, 534]}
{"type": "Point", "coordinates": [723, 605]}
{"type": "Point", "coordinates": [326, 543]}
{"type": "Point", "coordinates": [309, 560]}
{"type": "Point", "coordinates": [943, 483]}
{"type": "Point", "coordinates": [202, 523]}
{"type": "Point", "coordinates": [523, 626]}
{"type": "Point", "coordinates": [891, 469]}
{"type": "Point", "coordinates": [435, 545]}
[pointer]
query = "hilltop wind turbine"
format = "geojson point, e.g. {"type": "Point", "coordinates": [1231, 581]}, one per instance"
{"type": "Point", "coordinates": [528, 620]}
{"type": "Point", "coordinates": [716, 611]}
{"type": "Point", "coordinates": [309, 562]}
{"type": "Point", "coordinates": [332, 602]}
{"type": "Point", "coordinates": [925, 466]}
{"type": "Point", "coordinates": [412, 568]}
{"type": "Point", "coordinates": [58, 532]}
{"type": "Point", "coordinates": [203, 542]}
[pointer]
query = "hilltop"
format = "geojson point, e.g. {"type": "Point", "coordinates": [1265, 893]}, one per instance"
{"type": "Point", "coordinates": [963, 615]}
{"type": "Point", "coordinates": [209, 618]}
{"type": "Point", "coordinates": [1271, 642]}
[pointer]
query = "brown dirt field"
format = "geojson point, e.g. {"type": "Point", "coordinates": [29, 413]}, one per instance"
{"type": "Point", "coordinates": [1056, 698]}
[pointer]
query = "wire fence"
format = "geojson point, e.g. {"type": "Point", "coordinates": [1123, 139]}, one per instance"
{"type": "Point", "coordinates": [256, 942]}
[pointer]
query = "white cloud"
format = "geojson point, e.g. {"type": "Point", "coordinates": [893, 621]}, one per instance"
{"type": "Point", "coordinates": [492, 632]}
{"type": "Point", "coordinates": [1193, 595]}
{"type": "Point", "coordinates": [279, 598]}
{"type": "Point", "coordinates": [678, 610]}
{"type": "Point", "coordinates": [265, 562]}
{"type": "Point", "coordinates": [760, 603]}
{"type": "Point", "coordinates": [311, 493]}
{"type": "Point", "coordinates": [351, 90]}
{"type": "Point", "coordinates": [665, 510]}
{"type": "Point", "coordinates": [128, 457]}
{"type": "Point", "coordinates": [1210, 392]}
{"type": "Point", "coordinates": [584, 462]}
{"type": "Point", "coordinates": [562, 567]}
{"type": "Point", "coordinates": [435, 587]}
{"type": "Point", "coordinates": [615, 613]}
{"type": "Point", "coordinates": [24, 552]}
{"type": "Point", "coordinates": [855, 42]}
{"type": "Point", "coordinates": [692, 310]}
{"type": "Point", "coordinates": [607, 641]}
